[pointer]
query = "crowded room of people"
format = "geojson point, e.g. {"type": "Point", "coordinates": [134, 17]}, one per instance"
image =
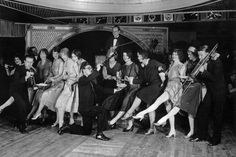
{"type": "Point", "coordinates": [117, 78]}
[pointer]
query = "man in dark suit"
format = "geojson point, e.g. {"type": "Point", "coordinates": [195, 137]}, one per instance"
{"type": "Point", "coordinates": [88, 88]}
{"type": "Point", "coordinates": [18, 90]}
{"type": "Point", "coordinates": [212, 75]}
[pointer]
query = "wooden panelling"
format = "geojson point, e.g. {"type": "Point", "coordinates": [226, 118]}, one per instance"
{"type": "Point", "coordinates": [10, 29]}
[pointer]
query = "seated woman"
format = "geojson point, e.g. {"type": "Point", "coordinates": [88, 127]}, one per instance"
{"type": "Point", "coordinates": [69, 76]}
{"type": "Point", "coordinates": [173, 89]}
{"type": "Point", "coordinates": [150, 81]}
{"type": "Point", "coordinates": [192, 95]}
{"type": "Point", "coordinates": [110, 69]}
{"type": "Point", "coordinates": [50, 95]}
{"type": "Point", "coordinates": [73, 103]}
{"type": "Point", "coordinates": [43, 71]}
{"type": "Point", "coordinates": [109, 72]}
{"type": "Point", "coordinates": [126, 96]}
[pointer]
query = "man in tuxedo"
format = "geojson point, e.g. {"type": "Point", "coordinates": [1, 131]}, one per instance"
{"type": "Point", "coordinates": [212, 75]}
{"type": "Point", "coordinates": [18, 90]}
{"type": "Point", "coordinates": [116, 40]}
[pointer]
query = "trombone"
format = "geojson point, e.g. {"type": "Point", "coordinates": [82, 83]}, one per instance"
{"type": "Point", "coordinates": [197, 68]}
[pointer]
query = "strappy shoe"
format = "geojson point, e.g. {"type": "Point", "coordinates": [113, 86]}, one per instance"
{"type": "Point", "coordinates": [150, 131]}
{"type": "Point", "coordinates": [127, 116]}
{"type": "Point", "coordinates": [171, 134]}
{"type": "Point", "coordinates": [36, 116]}
{"type": "Point", "coordinates": [129, 130]}
{"type": "Point", "coordinates": [54, 124]}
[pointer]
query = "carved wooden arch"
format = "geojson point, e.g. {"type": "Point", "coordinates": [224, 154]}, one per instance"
{"type": "Point", "coordinates": [78, 30]}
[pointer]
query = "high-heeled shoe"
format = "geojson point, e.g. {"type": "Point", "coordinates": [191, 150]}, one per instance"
{"type": "Point", "coordinates": [161, 122]}
{"type": "Point", "coordinates": [189, 135]}
{"type": "Point", "coordinates": [138, 117]}
{"type": "Point", "coordinates": [127, 116]}
{"type": "Point", "coordinates": [54, 124]}
{"type": "Point", "coordinates": [150, 131]}
{"type": "Point", "coordinates": [36, 116]}
{"type": "Point", "coordinates": [128, 130]}
{"type": "Point", "coordinates": [112, 126]}
{"type": "Point", "coordinates": [1, 109]}
{"type": "Point", "coordinates": [171, 134]}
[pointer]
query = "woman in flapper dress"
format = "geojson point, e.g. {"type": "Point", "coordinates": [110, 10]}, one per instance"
{"type": "Point", "coordinates": [43, 71]}
{"type": "Point", "coordinates": [69, 76]}
{"type": "Point", "coordinates": [122, 100]}
{"type": "Point", "coordinates": [51, 94]}
{"type": "Point", "coordinates": [151, 84]}
{"type": "Point", "coordinates": [173, 89]}
{"type": "Point", "coordinates": [73, 103]}
{"type": "Point", "coordinates": [192, 95]}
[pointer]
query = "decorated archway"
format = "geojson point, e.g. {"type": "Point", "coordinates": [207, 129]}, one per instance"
{"type": "Point", "coordinates": [49, 36]}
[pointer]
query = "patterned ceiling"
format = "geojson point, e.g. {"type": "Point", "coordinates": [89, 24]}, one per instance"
{"type": "Point", "coordinates": [50, 9]}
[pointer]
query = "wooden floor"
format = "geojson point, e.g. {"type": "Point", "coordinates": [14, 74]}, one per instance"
{"type": "Point", "coordinates": [45, 142]}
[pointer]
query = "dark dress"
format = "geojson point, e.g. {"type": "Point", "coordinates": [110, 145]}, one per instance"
{"type": "Point", "coordinates": [18, 89]}
{"type": "Point", "coordinates": [192, 95]}
{"type": "Point", "coordinates": [150, 80]}
{"type": "Point", "coordinates": [111, 71]}
{"type": "Point", "coordinates": [123, 99]}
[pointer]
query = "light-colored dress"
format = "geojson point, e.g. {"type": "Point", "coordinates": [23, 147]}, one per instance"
{"type": "Point", "coordinates": [73, 103]}
{"type": "Point", "coordinates": [70, 72]}
{"type": "Point", "coordinates": [43, 71]}
{"type": "Point", "coordinates": [174, 85]}
{"type": "Point", "coordinates": [50, 95]}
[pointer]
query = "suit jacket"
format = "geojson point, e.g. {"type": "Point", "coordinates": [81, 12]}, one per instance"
{"type": "Point", "coordinates": [88, 87]}
{"type": "Point", "coordinates": [120, 40]}
{"type": "Point", "coordinates": [214, 79]}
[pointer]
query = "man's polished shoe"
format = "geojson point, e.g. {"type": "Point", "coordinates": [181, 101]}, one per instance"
{"type": "Point", "coordinates": [63, 129]}
{"type": "Point", "coordinates": [198, 139]}
{"type": "Point", "coordinates": [22, 128]}
{"type": "Point", "coordinates": [102, 137]}
{"type": "Point", "coordinates": [213, 142]}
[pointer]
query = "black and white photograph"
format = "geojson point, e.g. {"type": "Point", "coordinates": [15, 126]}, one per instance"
{"type": "Point", "coordinates": [117, 78]}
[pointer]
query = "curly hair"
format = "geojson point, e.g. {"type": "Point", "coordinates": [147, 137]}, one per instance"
{"type": "Point", "coordinates": [78, 53]}
{"type": "Point", "coordinates": [180, 54]}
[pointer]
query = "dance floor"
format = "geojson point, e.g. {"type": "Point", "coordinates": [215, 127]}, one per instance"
{"type": "Point", "coordinates": [45, 142]}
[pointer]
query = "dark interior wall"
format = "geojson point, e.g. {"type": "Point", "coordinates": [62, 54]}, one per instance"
{"type": "Point", "coordinates": [94, 43]}
{"type": "Point", "coordinates": [10, 46]}
{"type": "Point", "coordinates": [210, 33]}
{"type": "Point", "coordinates": [180, 36]}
